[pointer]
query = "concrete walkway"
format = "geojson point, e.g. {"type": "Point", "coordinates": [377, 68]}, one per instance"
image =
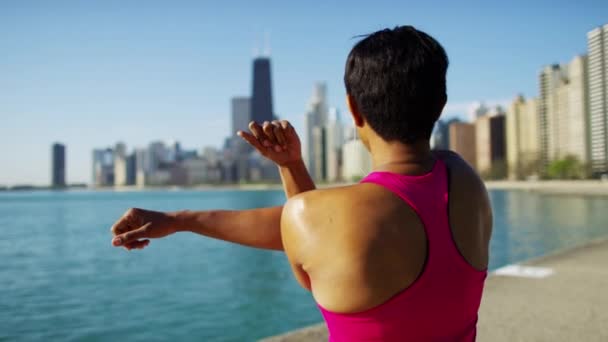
{"type": "Point", "coordinates": [570, 304]}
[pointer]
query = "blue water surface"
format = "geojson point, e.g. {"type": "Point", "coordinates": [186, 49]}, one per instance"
{"type": "Point", "coordinates": [61, 280]}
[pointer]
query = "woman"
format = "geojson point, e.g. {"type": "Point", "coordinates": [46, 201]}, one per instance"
{"type": "Point", "coordinates": [400, 256]}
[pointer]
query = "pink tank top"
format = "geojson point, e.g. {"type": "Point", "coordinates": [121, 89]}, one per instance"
{"type": "Point", "coordinates": [442, 304]}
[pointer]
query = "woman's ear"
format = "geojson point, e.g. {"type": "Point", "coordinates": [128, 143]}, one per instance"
{"type": "Point", "coordinates": [354, 111]}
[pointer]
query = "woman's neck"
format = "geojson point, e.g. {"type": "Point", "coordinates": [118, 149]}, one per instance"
{"type": "Point", "coordinates": [415, 158]}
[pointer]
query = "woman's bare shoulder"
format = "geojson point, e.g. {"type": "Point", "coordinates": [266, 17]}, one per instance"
{"type": "Point", "coordinates": [460, 171]}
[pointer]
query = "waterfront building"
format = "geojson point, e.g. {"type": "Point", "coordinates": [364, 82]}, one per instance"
{"type": "Point", "coordinates": [196, 171]}
{"type": "Point", "coordinates": [120, 164]}
{"type": "Point", "coordinates": [58, 165]}
{"type": "Point", "coordinates": [563, 111]}
{"type": "Point", "coordinates": [261, 96]}
{"type": "Point", "coordinates": [357, 162]}
{"type": "Point", "coordinates": [103, 167]}
{"type": "Point", "coordinates": [141, 166]}
{"type": "Point", "coordinates": [315, 120]}
{"type": "Point", "coordinates": [241, 113]}
{"type": "Point", "coordinates": [319, 159]}
{"type": "Point", "coordinates": [462, 141]}
{"type": "Point", "coordinates": [440, 138]}
{"type": "Point", "coordinates": [490, 145]}
{"type": "Point", "coordinates": [131, 169]}
{"type": "Point", "coordinates": [241, 108]}
{"type": "Point", "coordinates": [548, 80]}
{"type": "Point", "coordinates": [333, 146]}
{"type": "Point", "coordinates": [597, 49]}
{"type": "Point", "coordinates": [157, 155]}
{"type": "Point", "coordinates": [522, 138]}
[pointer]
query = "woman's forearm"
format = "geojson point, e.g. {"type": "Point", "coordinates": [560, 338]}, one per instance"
{"type": "Point", "coordinates": [295, 178]}
{"type": "Point", "coordinates": [258, 228]}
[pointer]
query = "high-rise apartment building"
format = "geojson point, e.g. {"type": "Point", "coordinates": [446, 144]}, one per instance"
{"type": "Point", "coordinates": [490, 146]}
{"type": "Point", "coordinates": [522, 138]}
{"type": "Point", "coordinates": [574, 111]}
{"type": "Point", "coordinates": [547, 103]}
{"type": "Point", "coordinates": [261, 96]}
{"type": "Point", "coordinates": [563, 108]}
{"type": "Point", "coordinates": [58, 165]}
{"type": "Point", "coordinates": [462, 141]}
{"type": "Point", "coordinates": [597, 49]}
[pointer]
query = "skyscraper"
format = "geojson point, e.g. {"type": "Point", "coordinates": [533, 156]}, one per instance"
{"type": "Point", "coordinates": [132, 169]}
{"type": "Point", "coordinates": [548, 80]}
{"type": "Point", "coordinates": [334, 140]}
{"type": "Point", "coordinates": [316, 116]}
{"type": "Point", "coordinates": [522, 135]}
{"type": "Point", "coordinates": [563, 108]}
{"type": "Point", "coordinates": [241, 113]}
{"type": "Point", "coordinates": [58, 167]}
{"type": "Point", "coordinates": [574, 110]}
{"type": "Point", "coordinates": [490, 145]}
{"type": "Point", "coordinates": [241, 116]}
{"type": "Point", "coordinates": [261, 92]}
{"type": "Point", "coordinates": [319, 143]}
{"type": "Point", "coordinates": [597, 46]}
{"type": "Point", "coordinates": [103, 167]}
{"type": "Point", "coordinates": [120, 164]}
{"type": "Point", "coordinates": [142, 163]}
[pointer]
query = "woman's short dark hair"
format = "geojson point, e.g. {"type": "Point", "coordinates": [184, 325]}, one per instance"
{"type": "Point", "coordinates": [397, 80]}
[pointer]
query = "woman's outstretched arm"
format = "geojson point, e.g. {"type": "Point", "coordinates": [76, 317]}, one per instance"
{"type": "Point", "coordinates": [259, 228]}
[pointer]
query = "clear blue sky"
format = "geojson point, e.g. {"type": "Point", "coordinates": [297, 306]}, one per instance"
{"type": "Point", "coordinates": [90, 73]}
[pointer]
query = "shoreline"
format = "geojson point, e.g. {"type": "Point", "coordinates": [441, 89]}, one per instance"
{"type": "Point", "coordinates": [556, 187]}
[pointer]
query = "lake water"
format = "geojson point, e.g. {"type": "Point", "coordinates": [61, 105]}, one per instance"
{"type": "Point", "coordinates": [61, 280]}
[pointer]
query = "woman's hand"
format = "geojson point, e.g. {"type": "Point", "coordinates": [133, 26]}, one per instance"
{"type": "Point", "coordinates": [137, 226]}
{"type": "Point", "coordinates": [276, 140]}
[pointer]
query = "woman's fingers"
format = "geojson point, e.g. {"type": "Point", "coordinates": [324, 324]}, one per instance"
{"type": "Point", "coordinates": [278, 133]}
{"type": "Point", "coordinates": [258, 132]}
{"type": "Point", "coordinates": [288, 131]}
{"type": "Point", "coordinates": [273, 135]}
{"type": "Point", "coordinates": [139, 244]}
{"type": "Point", "coordinates": [252, 140]}
{"type": "Point", "coordinates": [269, 132]}
{"type": "Point", "coordinates": [131, 236]}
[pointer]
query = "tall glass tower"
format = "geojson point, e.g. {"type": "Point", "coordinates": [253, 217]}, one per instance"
{"type": "Point", "coordinates": [261, 97]}
{"type": "Point", "coordinates": [58, 167]}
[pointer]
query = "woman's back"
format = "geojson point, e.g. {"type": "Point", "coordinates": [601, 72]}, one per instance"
{"type": "Point", "coordinates": [385, 265]}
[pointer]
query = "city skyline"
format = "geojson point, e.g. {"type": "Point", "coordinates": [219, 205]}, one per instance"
{"type": "Point", "coordinates": [74, 78]}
